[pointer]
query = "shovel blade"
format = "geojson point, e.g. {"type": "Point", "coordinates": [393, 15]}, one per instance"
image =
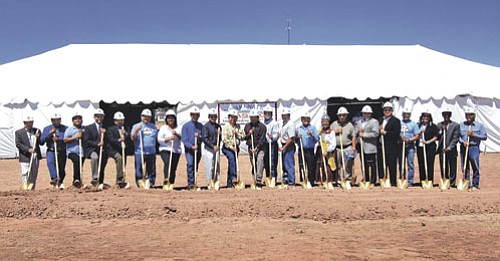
{"type": "Point", "coordinates": [268, 182]}
{"type": "Point", "coordinates": [444, 184]}
{"type": "Point", "coordinates": [364, 185]}
{"type": "Point", "coordinates": [385, 183]}
{"type": "Point", "coordinates": [330, 186]}
{"type": "Point", "coordinates": [308, 185]}
{"type": "Point", "coordinates": [253, 186]}
{"type": "Point", "coordinates": [402, 183]}
{"type": "Point", "coordinates": [240, 185]}
{"type": "Point", "coordinates": [427, 184]}
{"type": "Point", "coordinates": [146, 184]}
{"type": "Point", "coordinates": [344, 184]}
{"type": "Point", "coordinates": [463, 184]}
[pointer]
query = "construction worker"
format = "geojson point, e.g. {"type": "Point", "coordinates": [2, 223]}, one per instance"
{"type": "Point", "coordinates": [474, 132]}
{"type": "Point", "coordinates": [389, 129]}
{"type": "Point", "coordinates": [256, 147]}
{"type": "Point", "coordinates": [192, 131]}
{"type": "Point", "coordinates": [429, 134]}
{"type": "Point", "coordinates": [117, 136]}
{"type": "Point", "coordinates": [94, 140]}
{"type": "Point", "coordinates": [287, 137]}
{"type": "Point", "coordinates": [309, 136]}
{"type": "Point", "coordinates": [72, 137]}
{"type": "Point", "coordinates": [452, 131]}
{"type": "Point", "coordinates": [409, 134]}
{"type": "Point", "coordinates": [53, 138]}
{"type": "Point", "coordinates": [211, 134]}
{"type": "Point", "coordinates": [344, 130]}
{"type": "Point", "coordinates": [28, 144]}
{"type": "Point", "coordinates": [149, 134]}
{"type": "Point", "coordinates": [326, 149]}
{"type": "Point", "coordinates": [271, 152]}
{"type": "Point", "coordinates": [231, 136]}
{"type": "Point", "coordinates": [368, 130]}
{"type": "Point", "coordinates": [169, 139]}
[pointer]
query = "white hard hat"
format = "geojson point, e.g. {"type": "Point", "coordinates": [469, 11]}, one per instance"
{"type": "Point", "coordinates": [325, 117]}
{"type": "Point", "coordinates": [285, 111]}
{"type": "Point", "coordinates": [426, 111]}
{"type": "Point", "coordinates": [342, 110]}
{"type": "Point", "coordinates": [56, 115]}
{"type": "Point", "coordinates": [194, 110]}
{"type": "Point", "coordinates": [99, 112]}
{"type": "Point", "coordinates": [170, 113]}
{"type": "Point", "coordinates": [305, 115]}
{"type": "Point", "coordinates": [76, 114]}
{"type": "Point", "coordinates": [469, 110]}
{"type": "Point", "coordinates": [446, 109]}
{"type": "Point", "coordinates": [28, 117]}
{"type": "Point", "coordinates": [406, 110]}
{"type": "Point", "coordinates": [146, 112]}
{"type": "Point", "coordinates": [233, 113]}
{"type": "Point", "coordinates": [388, 105]}
{"type": "Point", "coordinates": [118, 116]}
{"type": "Point", "coordinates": [268, 108]}
{"type": "Point", "coordinates": [367, 109]}
{"type": "Point", "coordinates": [253, 113]}
{"type": "Point", "coordinates": [212, 112]}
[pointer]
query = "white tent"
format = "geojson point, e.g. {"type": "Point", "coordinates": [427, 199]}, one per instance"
{"type": "Point", "coordinates": [78, 77]}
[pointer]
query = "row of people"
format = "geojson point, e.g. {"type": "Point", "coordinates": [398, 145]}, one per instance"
{"type": "Point", "coordinates": [325, 155]}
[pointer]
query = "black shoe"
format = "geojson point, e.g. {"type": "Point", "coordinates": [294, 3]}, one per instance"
{"type": "Point", "coordinates": [94, 183]}
{"type": "Point", "coordinates": [123, 185]}
{"type": "Point", "coordinates": [77, 184]}
{"type": "Point", "coordinates": [191, 187]}
{"type": "Point", "coordinates": [53, 183]}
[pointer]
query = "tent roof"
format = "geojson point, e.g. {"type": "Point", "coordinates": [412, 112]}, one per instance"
{"type": "Point", "coordinates": [217, 72]}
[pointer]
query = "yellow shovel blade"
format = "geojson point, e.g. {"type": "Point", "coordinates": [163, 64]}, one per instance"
{"type": "Point", "coordinates": [253, 186]}
{"type": "Point", "coordinates": [141, 183]}
{"type": "Point", "coordinates": [240, 185]}
{"type": "Point", "coordinates": [402, 183]}
{"type": "Point", "coordinates": [444, 184]}
{"type": "Point", "coordinates": [308, 185]}
{"type": "Point", "coordinates": [330, 186]}
{"type": "Point", "coordinates": [146, 184]}
{"type": "Point", "coordinates": [385, 183]}
{"type": "Point", "coordinates": [427, 184]}
{"type": "Point", "coordinates": [364, 185]}
{"type": "Point", "coordinates": [216, 186]}
{"type": "Point", "coordinates": [463, 184]}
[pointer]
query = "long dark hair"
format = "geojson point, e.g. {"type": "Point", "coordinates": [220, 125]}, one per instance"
{"type": "Point", "coordinates": [420, 123]}
{"type": "Point", "coordinates": [175, 120]}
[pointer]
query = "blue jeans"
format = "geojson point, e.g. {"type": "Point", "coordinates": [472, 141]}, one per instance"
{"type": "Point", "coordinates": [167, 169]}
{"type": "Point", "coordinates": [51, 164]}
{"type": "Point", "coordinates": [150, 162]}
{"type": "Point", "coordinates": [274, 159]}
{"type": "Point", "coordinates": [190, 164]}
{"type": "Point", "coordinates": [289, 165]}
{"type": "Point", "coordinates": [409, 157]}
{"type": "Point", "coordinates": [231, 166]}
{"type": "Point", "coordinates": [472, 161]}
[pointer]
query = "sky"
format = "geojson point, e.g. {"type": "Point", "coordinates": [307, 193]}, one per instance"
{"type": "Point", "coordinates": [468, 29]}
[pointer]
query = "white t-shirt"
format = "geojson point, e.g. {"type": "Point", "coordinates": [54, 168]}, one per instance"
{"type": "Point", "coordinates": [166, 132]}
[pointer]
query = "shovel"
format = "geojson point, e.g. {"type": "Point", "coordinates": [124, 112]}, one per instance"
{"type": "Point", "coordinates": [384, 182]}
{"type": "Point", "coordinates": [215, 181]}
{"type": "Point", "coordinates": [58, 181]}
{"type": "Point", "coordinates": [254, 169]}
{"type": "Point", "coordinates": [124, 157]}
{"type": "Point", "coordinates": [444, 183]}
{"type": "Point", "coordinates": [403, 182]}
{"type": "Point", "coordinates": [196, 163]}
{"type": "Point", "coordinates": [80, 158]}
{"type": "Point", "coordinates": [283, 185]}
{"type": "Point", "coordinates": [27, 185]}
{"type": "Point", "coordinates": [463, 184]}
{"type": "Point", "coordinates": [363, 184]}
{"type": "Point", "coordinates": [270, 180]}
{"type": "Point", "coordinates": [169, 186]}
{"type": "Point", "coordinates": [240, 184]}
{"type": "Point", "coordinates": [305, 184]}
{"type": "Point", "coordinates": [346, 185]}
{"type": "Point", "coordinates": [144, 182]}
{"type": "Point", "coordinates": [426, 184]}
{"type": "Point", "coordinates": [326, 184]}
{"type": "Point", "coordinates": [99, 164]}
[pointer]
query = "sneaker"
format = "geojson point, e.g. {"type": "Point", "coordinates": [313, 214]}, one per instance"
{"type": "Point", "coordinates": [61, 186]}
{"type": "Point", "coordinates": [77, 184]}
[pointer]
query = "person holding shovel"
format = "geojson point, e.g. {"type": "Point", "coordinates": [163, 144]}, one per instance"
{"type": "Point", "coordinates": [117, 136]}
{"type": "Point", "coordinates": [429, 133]}
{"type": "Point", "coordinates": [368, 130]}
{"type": "Point", "coordinates": [389, 129]}
{"type": "Point", "coordinates": [149, 133]}
{"type": "Point", "coordinates": [452, 131]}
{"type": "Point", "coordinates": [287, 134]}
{"type": "Point", "coordinates": [169, 139]}
{"type": "Point", "coordinates": [255, 135]}
{"type": "Point", "coordinates": [192, 138]}
{"type": "Point", "coordinates": [271, 146]}
{"type": "Point", "coordinates": [73, 138]}
{"type": "Point", "coordinates": [345, 134]}
{"type": "Point", "coordinates": [476, 133]}
{"type": "Point", "coordinates": [409, 136]}
{"type": "Point", "coordinates": [231, 136]}
{"type": "Point", "coordinates": [28, 144]}
{"type": "Point", "coordinates": [93, 141]}
{"type": "Point", "coordinates": [211, 135]}
{"type": "Point", "coordinates": [307, 136]}
{"type": "Point", "coordinates": [53, 138]}
{"type": "Point", "coordinates": [325, 152]}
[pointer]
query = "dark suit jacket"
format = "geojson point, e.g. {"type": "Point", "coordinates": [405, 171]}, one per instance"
{"type": "Point", "coordinates": [392, 135]}
{"type": "Point", "coordinates": [23, 145]}
{"type": "Point", "coordinates": [91, 139]}
{"type": "Point", "coordinates": [113, 139]}
{"type": "Point", "coordinates": [452, 136]}
{"type": "Point", "coordinates": [430, 132]}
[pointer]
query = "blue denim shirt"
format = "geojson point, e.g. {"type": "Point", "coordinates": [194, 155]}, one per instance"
{"type": "Point", "coordinates": [478, 130]}
{"type": "Point", "coordinates": [46, 138]}
{"type": "Point", "coordinates": [308, 141]}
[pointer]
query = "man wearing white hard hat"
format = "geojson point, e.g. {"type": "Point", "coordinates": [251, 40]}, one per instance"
{"type": "Point", "coordinates": [345, 134]}
{"type": "Point", "coordinates": [211, 134]}
{"type": "Point", "coordinates": [271, 146]}
{"type": "Point", "coordinates": [117, 137]}
{"type": "Point", "coordinates": [256, 129]}
{"type": "Point", "coordinates": [72, 138]}
{"type": "Point", "coordinates": [309, 136]}
{"type": "Point", "coordinates": [149, 134]}
{"type": "Point", "coordinates": [169, 138]}
{"type": "Point", "coordinates": [232, 135]}
{"type": "Point", "coordinates": [410, 133]}
{"type": "Point", "coordinates": [52, 137]}
{"type": "Point", "coordinates": [28, 144]}
{"type": "Point", "coordinates": [287, 137]}
{"type": "Point", "coordinates": [368, 130]}
{"type": "Point", "coordinates": [449, 134]}
{"type": "Point", "coordinates": [94, 139]}
{"type": "Point", "coordinates": [192, 137]}
{"type": "Point", "coordinates": [474, 132]}
{"type": "Point", "coordinates": [390, 130]}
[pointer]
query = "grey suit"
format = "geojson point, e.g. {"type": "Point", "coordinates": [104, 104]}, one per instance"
{"type": "Point", "coordinates": [451, 139]}
{"type": "Point", "coordinates": [23, 144]}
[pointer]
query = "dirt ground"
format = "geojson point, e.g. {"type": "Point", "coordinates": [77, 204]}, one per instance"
{"type": "Point", "coordinates": [272, 224]}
